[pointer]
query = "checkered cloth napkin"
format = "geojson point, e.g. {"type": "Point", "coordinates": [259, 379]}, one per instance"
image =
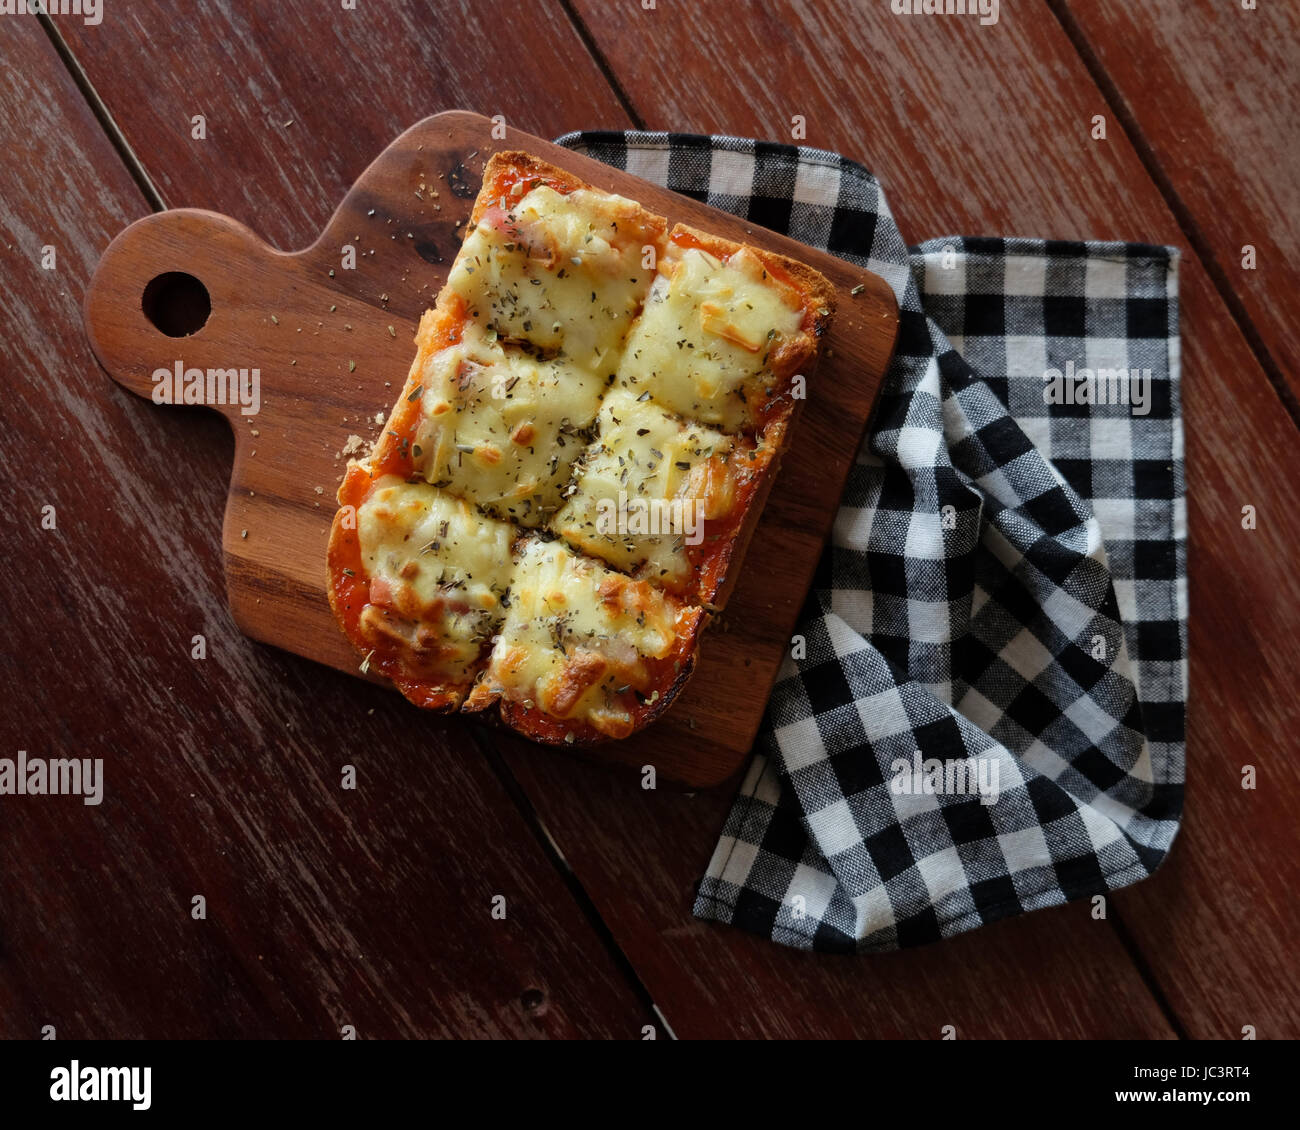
{"type": "Point", "coordinates": [986, 713]}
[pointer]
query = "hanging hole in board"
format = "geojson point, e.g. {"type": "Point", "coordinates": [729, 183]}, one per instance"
{"type": "Point", "coordinates": [176, 304]}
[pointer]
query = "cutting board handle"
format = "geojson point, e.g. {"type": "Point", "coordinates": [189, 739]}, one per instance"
{"type": "Point", "coordinates": [172, 295]}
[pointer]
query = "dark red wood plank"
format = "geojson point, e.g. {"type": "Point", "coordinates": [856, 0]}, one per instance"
{"type": "Point", "coordinates": [299, 97]}
{"type": "Point", "coordinates": [223, 775]}
{"type": "Point", "coordinates": [1213, 89]}
{"type": "Point", "coordinates": [1218, 924]}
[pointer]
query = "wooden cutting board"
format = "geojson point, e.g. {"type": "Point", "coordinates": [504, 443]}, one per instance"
{"type": "Point", "coordinates": [332, 346]}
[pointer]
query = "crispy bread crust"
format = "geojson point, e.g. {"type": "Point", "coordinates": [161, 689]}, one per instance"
{"type": "Point", "coordinates": [524, 165]}
{"type": "Point", "coordinates": [540, 727]}
{"type": "Point", "coordinates": [798, 355]}
{"type": "Point", "coordinates": [517, 161]}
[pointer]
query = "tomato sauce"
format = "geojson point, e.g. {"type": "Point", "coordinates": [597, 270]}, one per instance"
{"type": "Point", "coordinates": [349, 583]}
{"type": "Point", "coordinates": [503, 184]}
{"type": "Point", "coordinates": [710, 559]}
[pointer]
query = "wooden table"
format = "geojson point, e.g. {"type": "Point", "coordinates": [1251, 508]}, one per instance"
{"type": "Point", "coordinates": [374, 907]}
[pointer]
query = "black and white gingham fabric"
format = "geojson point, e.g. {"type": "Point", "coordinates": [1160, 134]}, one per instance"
{"type": "Point", "coordinates": [986, 715]}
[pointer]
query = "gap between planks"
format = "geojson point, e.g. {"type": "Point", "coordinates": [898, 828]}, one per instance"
{"type": "Point", "coordinates": [586, 905]}
{"type": "Point", "coordinates": [1187, 223]}
{"type": "Point", "coordinates": [1144, 970]}
{"type": "Point", "coordinates": [102, 115]}
{"type": "Point", "coordinates": [598, 57]}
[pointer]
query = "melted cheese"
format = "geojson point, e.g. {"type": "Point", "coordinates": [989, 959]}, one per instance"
{"type": "Point", "coordinates": [437, 572]}
{"type": "Point", "coordinates": [701, 347]}
{"type": "Point", "coordinates": [645, 487]}
{"type": "Point", "coordinates": [576, 637]}
{"type": "Point", "coordinates": [561, 272]}
{"type": "Point", "coordinates": [501, 428]}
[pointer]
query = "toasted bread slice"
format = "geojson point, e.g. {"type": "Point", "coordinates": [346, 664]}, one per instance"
{"type": "Point", "coordinates": [567, 483]}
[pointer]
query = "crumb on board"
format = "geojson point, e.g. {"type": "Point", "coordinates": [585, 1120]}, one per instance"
{"type": "Point", "coordinates": [354, 446]}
